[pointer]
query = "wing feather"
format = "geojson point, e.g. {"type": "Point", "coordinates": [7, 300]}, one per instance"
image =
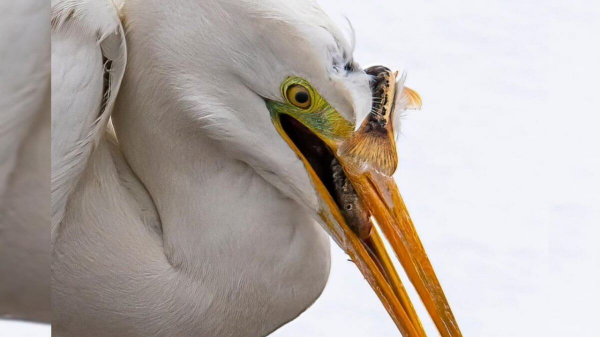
{"type": "Point", "coordinates": [24, 77]}
{"type": "Point", "coordinates": [89, 55]}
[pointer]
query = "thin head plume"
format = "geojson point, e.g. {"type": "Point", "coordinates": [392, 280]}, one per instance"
{"type": "Point", "coordinates": [399, 104]}
{"type": "Point", "coordinates": [406, 99]}
{"type": "Point", "coordinates": [352, 34]}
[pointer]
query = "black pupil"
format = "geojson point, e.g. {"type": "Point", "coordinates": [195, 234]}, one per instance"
{"type": "Point", "coordinates": [301, 97]}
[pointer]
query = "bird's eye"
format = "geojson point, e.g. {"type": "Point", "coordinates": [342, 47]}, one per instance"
{"type": "Point", "coordinates": [299, 96]}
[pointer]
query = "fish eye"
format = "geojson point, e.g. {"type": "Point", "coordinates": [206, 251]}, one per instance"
{"type": "Point", "coordinates": [349, 207]}
{"type": "Point", "coordinates": [298, 96]}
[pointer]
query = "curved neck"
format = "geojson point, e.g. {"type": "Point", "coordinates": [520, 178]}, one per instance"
{"type": "Point", "coordinates": [222, 223]}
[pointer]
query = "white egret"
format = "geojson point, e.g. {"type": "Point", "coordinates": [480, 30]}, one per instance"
{"type": "Point", "coordinates": [205, 212]}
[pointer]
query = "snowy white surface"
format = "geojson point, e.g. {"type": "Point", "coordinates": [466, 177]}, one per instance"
{"type": "Point", "coordinates": [500, 170]}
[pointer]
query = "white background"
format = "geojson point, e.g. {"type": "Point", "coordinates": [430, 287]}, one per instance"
{"type": "Point", "coordinates": [500, 170]}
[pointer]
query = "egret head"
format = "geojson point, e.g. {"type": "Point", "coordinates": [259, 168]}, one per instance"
{"type": "Point", "coordinates": [274, 84]}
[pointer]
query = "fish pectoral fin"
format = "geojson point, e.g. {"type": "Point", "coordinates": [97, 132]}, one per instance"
{"type": "Point", "coordinates": [410, 99]}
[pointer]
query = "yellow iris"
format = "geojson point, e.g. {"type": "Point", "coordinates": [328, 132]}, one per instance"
{"type": "Point", "coordinates": [299, 96]}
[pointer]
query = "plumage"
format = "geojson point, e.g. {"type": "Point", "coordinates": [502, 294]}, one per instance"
{"type": "Point", "coordinates": [191, 195]}
{"type": "Point", "coordinates": [88, 62]}
{"type": "Point", "coordinates": [136, 220]}
{"type": "Point", "coordinates": [24, 161]}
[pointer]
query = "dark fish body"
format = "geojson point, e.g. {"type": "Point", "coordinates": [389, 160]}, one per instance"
{"type": "Point", "coordinates": [352, 209]}
{"type": "Point", "coordinates": [383, 87]}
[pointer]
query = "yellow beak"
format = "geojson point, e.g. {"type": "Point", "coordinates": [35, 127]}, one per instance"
{"type": "Point", "coordinates": [381, 200]}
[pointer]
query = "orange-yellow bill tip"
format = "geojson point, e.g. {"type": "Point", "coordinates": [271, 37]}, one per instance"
{"type": "Point", "coordinates": [381, 196]}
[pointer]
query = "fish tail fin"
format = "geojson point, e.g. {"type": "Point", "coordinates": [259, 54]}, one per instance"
{"type": "Point", "coordinates": [376, 150]}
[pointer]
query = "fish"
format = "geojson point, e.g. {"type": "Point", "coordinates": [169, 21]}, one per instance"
{"type": "Point", "coordinates": [373, 144]}
{"type": "Point", "coordinates": [356, 215]}
{"type": "Point", "coordinates": [354, 212]}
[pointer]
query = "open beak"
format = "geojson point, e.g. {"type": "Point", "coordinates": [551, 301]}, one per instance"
{"type": "Point", "coordinates": [358, 206]}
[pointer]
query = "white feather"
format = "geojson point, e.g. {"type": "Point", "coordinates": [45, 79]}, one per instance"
{"type": "Point", "coordinates": [24, 160]}
{"type": "Point", "coordinates": [87, 37]}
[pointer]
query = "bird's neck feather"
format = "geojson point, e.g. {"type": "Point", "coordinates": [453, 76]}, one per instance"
{"type": "Point", "coordinates": [222, 223]}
